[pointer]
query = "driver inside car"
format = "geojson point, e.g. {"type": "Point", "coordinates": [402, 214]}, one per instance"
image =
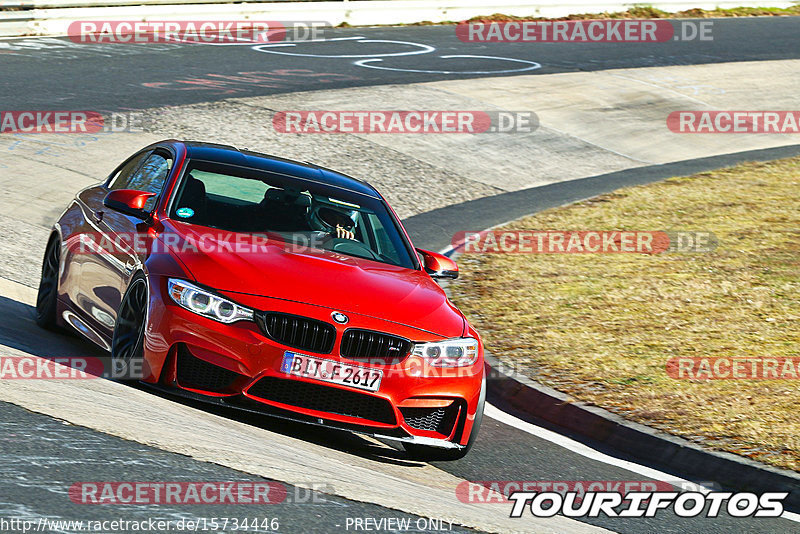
{"type": "Point", "coordinates": [344, 233]}
{"type": "Point", "coordinates": [336, 222]}
{"type": "Point", "coordinates": [289, 210]}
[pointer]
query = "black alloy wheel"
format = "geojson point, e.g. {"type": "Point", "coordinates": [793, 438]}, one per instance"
{"type": "Point", "coordinates": [127, 343]}
{"type": "Point", "coordinates": [48, 286]}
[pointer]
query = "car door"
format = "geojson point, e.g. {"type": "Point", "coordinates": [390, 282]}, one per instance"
{"type": "Point", "coordinates": [107, 270]}
{"type": "Point", "coordinates": [96, 280]}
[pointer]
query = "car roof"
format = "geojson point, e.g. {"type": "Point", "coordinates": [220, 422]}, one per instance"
{"type": "Point", "coordinates": [256, 160]}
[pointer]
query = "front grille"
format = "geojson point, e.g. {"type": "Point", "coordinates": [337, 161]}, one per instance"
{"type": "Point", "coordinates": [299, 332]}
{"type": "Point", "coordinates": [323, 399]}
{"type": "Point", "coordinates": [199, 374]}
{"type": "Point", "coordinates": [374, 347]}
{"type": "Point", "coordinates": [439, 420]}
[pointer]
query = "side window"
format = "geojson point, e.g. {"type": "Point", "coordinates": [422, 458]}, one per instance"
{"type": "Point", "coordinates": [120, 180]}
{"type": "Point", "coordinates": [384, 243]}
{"type": "Point", "coordinates": [150, 176]}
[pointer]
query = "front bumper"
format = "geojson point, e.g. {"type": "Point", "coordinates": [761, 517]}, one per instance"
{"type": "Point", "coordinates": [238, 404]}
{"type": "Point", "coordinates": [226, 364]}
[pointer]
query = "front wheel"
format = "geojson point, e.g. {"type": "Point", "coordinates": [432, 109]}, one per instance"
{"type": "Point", "coordinates": [48, 286]}
{"type": "Point", "coordinates": [426, 453]}
{"type": "Point", "coordinates": [127, 343]}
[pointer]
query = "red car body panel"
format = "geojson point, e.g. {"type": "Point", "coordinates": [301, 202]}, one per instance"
{"type": "Point", "coordinates": [362, 286]}
{"type": "Point", "coordinates": [375, 296]}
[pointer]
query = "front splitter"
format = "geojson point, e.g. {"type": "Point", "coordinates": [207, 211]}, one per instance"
{"type": "Point", "coordinates": [239, 402]}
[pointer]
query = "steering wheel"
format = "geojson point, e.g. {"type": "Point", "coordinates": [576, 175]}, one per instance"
{"type": "Point", "coordinates": [326, 219]}
{"type": "Point", "coordinates": [353, 248]}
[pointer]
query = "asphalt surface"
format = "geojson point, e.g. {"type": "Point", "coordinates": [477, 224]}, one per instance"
{"type": "Point", "coordinates": [433, 230]}
{"type": "Point", "coordinates": [501, 453]}
{"type": "Point", "coordinates": [506, 453]}
{"type": "Point", "coordinates": [54, 73]}
{"type": "Point", "coordinates": [43, 456]}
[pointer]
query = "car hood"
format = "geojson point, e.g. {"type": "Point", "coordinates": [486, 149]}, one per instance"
{"type": "Point", "coordinates": [321, 278]}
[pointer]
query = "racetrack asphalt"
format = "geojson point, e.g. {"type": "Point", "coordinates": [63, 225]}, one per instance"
{"type": "Point", "coordinates": [54, 73]}
{"type": "Point", "coordinates": [43, 455]}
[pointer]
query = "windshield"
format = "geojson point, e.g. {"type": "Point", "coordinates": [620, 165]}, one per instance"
{"type": "Point", "coordinates": [300, 212]}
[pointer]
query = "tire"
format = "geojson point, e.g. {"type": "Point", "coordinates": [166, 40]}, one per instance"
{"type": "Point", "coordinates": [127, 342]}
{"type": "Point", "coordinates": [48, 286]}
{"type": "Point", "coordinates": [426, 453]}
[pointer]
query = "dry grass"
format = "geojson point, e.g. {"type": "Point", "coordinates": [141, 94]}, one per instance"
{"type": "Point", "coordinates": [647, 12]}
{"type": "Point", "coordinates": [641, 12]}
{"type": "Point", "coordinates": [601, 327]}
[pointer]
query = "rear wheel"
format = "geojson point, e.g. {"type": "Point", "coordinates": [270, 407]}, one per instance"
{"type": "Point", "coordinates": [127, 342]}
{"type": "Point", "coordinates": [426, 453]}
{"type": "Point", "coordinates": [48, 286]}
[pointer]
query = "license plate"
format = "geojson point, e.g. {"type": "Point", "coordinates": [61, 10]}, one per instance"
{"type": "Point", "coordinates": [331, 371]}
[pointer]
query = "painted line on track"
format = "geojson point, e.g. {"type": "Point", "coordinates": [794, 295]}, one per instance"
{"type": "Point", "coordinates": [368, 60]}
{"type": "Point", "coordinates": [532, 65]}
{"type": "Point", "coordinates": [588, 452]}
{"type": "Point", "coordinates": [682, 168]}
{"type": "Point", "coordinates": [422, 49]}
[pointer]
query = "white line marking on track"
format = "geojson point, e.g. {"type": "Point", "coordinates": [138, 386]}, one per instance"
{"type": "Point", "coordinates": [323, 40]}
{"type": "Point", "coordinates": [532, 65]}
{"type": "Point", "coordinates": [588, 452]}
{"type": "Point", "coordinates": [423, 49]}
{"type": "Point", "coordinates": [254, 44]}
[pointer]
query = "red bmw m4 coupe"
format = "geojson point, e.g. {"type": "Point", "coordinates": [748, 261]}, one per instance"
{"type": "Point", "coordinates": [269, 285]}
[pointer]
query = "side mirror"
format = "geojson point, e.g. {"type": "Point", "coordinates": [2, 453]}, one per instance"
{"type": "Point", "coordinates": [128, 201]}
{"type": "Point", "coordinates": [438, 265]}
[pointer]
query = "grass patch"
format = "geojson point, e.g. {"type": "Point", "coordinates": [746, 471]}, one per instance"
{"type": "Point", "coordinates": [638, 12]}
{"type": "Point", "coordinates": [649, 12]}
{"type": "Point", "coordinates": [602, 327]}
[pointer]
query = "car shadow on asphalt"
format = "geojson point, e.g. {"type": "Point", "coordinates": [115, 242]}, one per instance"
{"type": "Point", "coordinates": [19, 331]}
{"type": "Point", "coordinates": [330, 438]}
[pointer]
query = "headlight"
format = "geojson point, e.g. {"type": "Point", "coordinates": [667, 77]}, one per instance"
{"type": "Point", "coordinates": [457, 352]}
{"type": "Point", "coordinates": [205, 303]}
